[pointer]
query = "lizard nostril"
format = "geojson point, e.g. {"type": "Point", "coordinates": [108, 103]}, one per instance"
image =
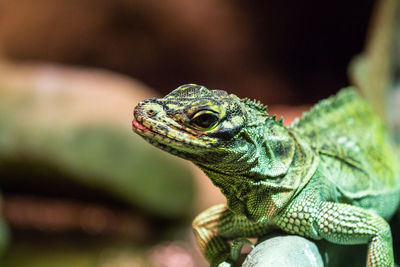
{"type": "Point", "coordinates": [151, 112]}
{"type": "Point", "coordinates": [149, 109]}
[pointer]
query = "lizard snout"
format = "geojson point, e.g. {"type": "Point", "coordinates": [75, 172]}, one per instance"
{"type": "Point", "coordinates": [146, 109]}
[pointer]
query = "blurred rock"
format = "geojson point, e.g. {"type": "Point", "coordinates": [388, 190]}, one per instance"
{"type": "Point", "coordinates": [172, 254]}
{"type": "Point", "coordinates": [60, 125]}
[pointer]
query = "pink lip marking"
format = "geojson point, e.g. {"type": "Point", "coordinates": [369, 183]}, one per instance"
{"type": "Point", "coordinates": [139, 126]}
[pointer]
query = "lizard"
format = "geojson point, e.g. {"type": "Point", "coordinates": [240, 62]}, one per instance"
{"type": "Point", "coordinates": [333, 174]}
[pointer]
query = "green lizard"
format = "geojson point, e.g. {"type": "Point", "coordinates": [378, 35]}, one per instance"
{"type": "Point", "coordinates": [331, 175]}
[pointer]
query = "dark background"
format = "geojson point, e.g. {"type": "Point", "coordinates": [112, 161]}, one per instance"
{"type": "Point", "coordinates": [276, 51]}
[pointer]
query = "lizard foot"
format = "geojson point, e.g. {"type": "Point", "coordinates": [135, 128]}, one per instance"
{"type": "Point", "coordinates": [237, 245]}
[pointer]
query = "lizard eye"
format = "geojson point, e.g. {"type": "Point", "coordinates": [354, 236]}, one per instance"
{"type": "Point", "coordinates": [204, 119]}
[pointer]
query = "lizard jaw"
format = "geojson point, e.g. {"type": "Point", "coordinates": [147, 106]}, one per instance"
{"type": "Point", "coordinates": [137, 126]}
{"type": "Point", "coordinates": [152, 137]}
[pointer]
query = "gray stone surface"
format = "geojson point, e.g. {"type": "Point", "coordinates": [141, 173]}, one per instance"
{"type": "Point", "coordinates": [284, 251]}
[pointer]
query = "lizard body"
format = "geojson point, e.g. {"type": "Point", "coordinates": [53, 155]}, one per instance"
{"type": "Point", "coordinates": [331, 175]}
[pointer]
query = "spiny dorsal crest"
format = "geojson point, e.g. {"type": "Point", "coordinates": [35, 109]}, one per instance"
{"type": "Point", "coordinates": [345, 96]}
{"type": "Point", "coordinates": [256, 105]}
{"type": "Point", "coordinates": [195, 91]}
{"type": "Point", "coordinates": [262, 109]}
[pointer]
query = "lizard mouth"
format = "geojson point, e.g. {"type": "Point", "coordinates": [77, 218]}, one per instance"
{"type": "Point", "coordinates": [146, 132]}
{"type": "Point", "coordinates": [138, 127]}
{"type": "Point", "coordinates": [162, 141]}
{"type": "Point", "coordinates": [159, 140]}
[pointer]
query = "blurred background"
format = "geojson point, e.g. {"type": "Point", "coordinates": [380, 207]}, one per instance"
{"type": "Point", "coordinates": [78, 187]}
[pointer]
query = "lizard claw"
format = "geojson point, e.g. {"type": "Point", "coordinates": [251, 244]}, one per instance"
{"type": "Point", "coordinates": [236, 247]}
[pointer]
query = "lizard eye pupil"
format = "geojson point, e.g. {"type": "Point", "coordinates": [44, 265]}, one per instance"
{"type": "Point", "coordinates": [205, 120]}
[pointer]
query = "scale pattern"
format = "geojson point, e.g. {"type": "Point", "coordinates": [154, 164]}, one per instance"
{"type": "Point", "coordinates": [333, 174]}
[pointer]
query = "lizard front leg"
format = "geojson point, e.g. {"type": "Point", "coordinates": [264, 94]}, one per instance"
{"type": "Point", "coordinates": [205, 226]}
{"type": "Point", "coordinates": [216, 226]}
{"type": "Point", "coordinates": [347, 224]}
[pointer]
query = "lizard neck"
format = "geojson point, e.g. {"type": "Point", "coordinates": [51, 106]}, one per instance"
{"type": "Point", "coordinates": [275, 167]}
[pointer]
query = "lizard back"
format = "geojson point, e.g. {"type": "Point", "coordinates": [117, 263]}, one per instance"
{"type": "Point", "coordinates": [353, 145]}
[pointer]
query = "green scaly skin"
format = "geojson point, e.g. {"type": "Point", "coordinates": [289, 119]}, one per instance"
{"type": "Point", "coordinates": [331, 175]}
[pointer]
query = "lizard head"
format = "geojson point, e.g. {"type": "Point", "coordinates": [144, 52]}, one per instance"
{"type": "Point", "coordinates": [193, 122]}
{"type": "Point", "coordinates": [234, 141]}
